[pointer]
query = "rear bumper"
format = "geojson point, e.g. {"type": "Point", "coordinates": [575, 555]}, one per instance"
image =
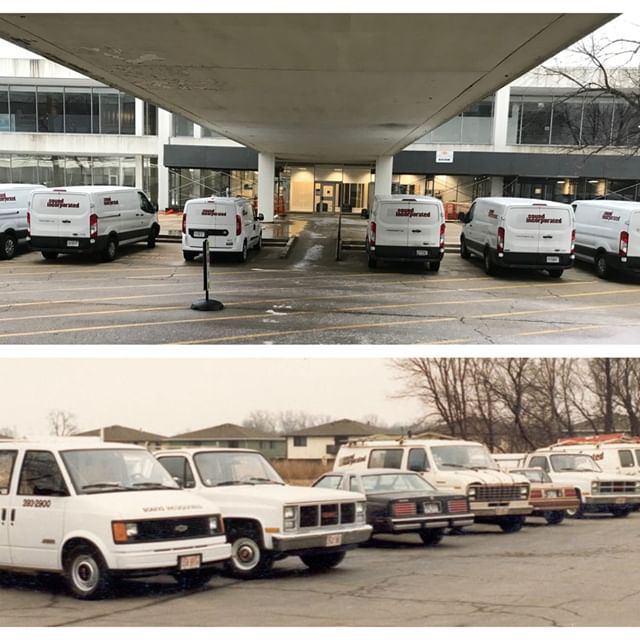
{"type": "Point", "coordinates": [482, 511]}
{"type": "Point", "coordinates": [553, 505]}
{"type": "Point", "coordinates": [534, 260]}
{"type": "Point", "coordinates": [398, 525]}
{"type": "Point", "coordinates": [217, 243]}
{"type": "Point", "coordinates": [61, 244]}
{"type": "Point", "coordinates": [406, 254]}
{"type": "Point", "coordinates": [611, 500]}
{"type": "Point", "coordinates": [307, 541]}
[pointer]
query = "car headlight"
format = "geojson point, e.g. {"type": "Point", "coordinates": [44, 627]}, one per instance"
{"type": "Point", "coordinates": [524, 491]}
{"type": "Point", "coordinates": [361, 511]}
{"type": "Point", "coordinates": [216, 526]}
{"type": "Point", "coordinates": [289, 518]}
{"type": "Point", "coordinates": [471, 493]}
{"type": "Point", "coordinates": [594, 487]}
{"type": "Point", "coordinates": [124, 531]}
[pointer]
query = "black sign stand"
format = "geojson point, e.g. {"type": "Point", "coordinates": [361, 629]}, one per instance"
{"type": "Point", "coordinates": [206, 304]}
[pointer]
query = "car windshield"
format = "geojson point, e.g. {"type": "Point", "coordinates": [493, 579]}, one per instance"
{"type": "Point", "coordinates": [573, 462]}
{"type": "Point", "coordinates": [110, 470]}
{"type": "Point", "coordinates": [219, 468]}
{"type": "Point", "coordinates": [533, 475]}
{"type": "Point", "coordinates": [463, 456]}
{"type": "Point", "coordinates": [389, 482]}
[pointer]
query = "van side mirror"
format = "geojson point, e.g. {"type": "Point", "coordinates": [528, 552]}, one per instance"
{"type": "Point", "coordinates": [260, 217]}
{"type": "Point", "coordinates": [462, 216]}
{"type": "Point", "coordinates": [155, 207]}
{"type": "Point", "coordinates": [364, 214]}
{"type": "Point", "coordinates": [178, 481]}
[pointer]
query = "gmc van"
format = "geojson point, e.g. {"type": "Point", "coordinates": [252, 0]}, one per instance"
{"type": "Point", "coordinates": [519, 233]}
{"type": "Point", "coordinates": [90, 220]}
{"type": "Point", "coordinates": [13, 217]}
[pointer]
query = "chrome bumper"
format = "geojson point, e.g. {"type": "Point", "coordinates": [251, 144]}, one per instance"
{"type": "Point", "coordinates": [302, 541]}
{"type": "Point", "coordinates": [463, 520]}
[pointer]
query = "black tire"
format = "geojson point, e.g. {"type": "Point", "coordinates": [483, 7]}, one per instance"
{"type": "Point", "coordinates": [578, 512]}
{"type": "Point", "coordinates": [244, 254]}
{"type": "Point", "coordinates": [621, 512]}
{"type": "Point", "coordinates": [489, 267]}
{"type": "Point", "coordinates": [602, 267]}
{"type": "Point", "coordinates": [49, 255]}
{"type": "Point", "coordinates": [153, 234]}
{"type": "Point", "coordinates": [323, 561]}
{"type": "Point", "coordinates": [249, 559]}
{"type": "Point", "coordinates": [464, 252]}
{"type": "Point", "coordinates": [192, 579]}
{"type": "Point", "coordinates": [555, 273]}
{"type": "Point", "coordinates": [8, 246]}
{"type": "Point", "coordinates": [554, 517]}
{"type": "Point", "coordinates": [189, 255]}
{"type": "Point", "coordinates": [431, 537]}
{"type": "Point", "coordinates": [512, 524]}
{"type": "Point", "coordinates": [372, 262]}
{"type": "Point", "coordinates": [259, 243]}
{"type": "Point", "coordinates": [111, 249]}
{"type": "Point", "coordinates": [434, 266]}
{"type": "Point", "coordinates": [86, 574]}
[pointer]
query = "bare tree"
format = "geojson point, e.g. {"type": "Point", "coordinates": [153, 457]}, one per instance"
{"type": "Point", "coordinates": [283, 421]}
{"type": "Point", "coordinates": [626, 390]}
{"type": "Point", "coordinates": [62, 423]}
{"type": "Point", "coordinates": [7, 432]}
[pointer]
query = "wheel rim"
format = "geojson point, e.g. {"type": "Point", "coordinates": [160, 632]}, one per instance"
{"type": "Point", "coordinates": [245, 553]}
{"type": "Point", "coordinates": [9, 247]}
{"type": "Point", "coordinates": [244, 251]}
{"type": "Point", "coordinates": [487, 262]}
{"type": "Point", "coordinates": [601, 265]}
{"type": "Point", "coordinates": [112, 249]}
{"type": "Point", "coordinates": [85, 573]}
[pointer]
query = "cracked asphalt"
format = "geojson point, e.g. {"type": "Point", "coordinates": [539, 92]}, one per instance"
{"type": "Point", "coordinates": [574, 574]}
{"type": "Point", "coordinates": [144, 297]}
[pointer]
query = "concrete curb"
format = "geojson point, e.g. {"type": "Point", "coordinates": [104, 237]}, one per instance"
{"type": "Point", "coordinates": [287, 248]}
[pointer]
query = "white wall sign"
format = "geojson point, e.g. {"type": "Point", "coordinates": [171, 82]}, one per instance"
{"type": "Point", "coordinates": [444, 156]}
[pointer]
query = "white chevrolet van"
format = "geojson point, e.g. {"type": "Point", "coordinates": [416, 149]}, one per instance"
{"type": "Point", "coordinates": [13, 216]}
{"type": "Point", "coordinates": [405, 229]}
{"type": "Point", "coordinates": [230, 224]}
{"type": "Point", "coordinates": [265, 519]}
{"type": "Point", "coordinates": [90, 220]}
{"type": "Point", "coordinates": [608, 235]}
{"type": "Point", "coordinates": [519, 233]}
{"type": "Point", "coordinates": [93, 512]}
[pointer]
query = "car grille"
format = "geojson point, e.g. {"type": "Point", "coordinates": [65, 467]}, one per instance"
{"type": "Point", "coordinates": [491, 493]}
{"type": "Point", "coordinates": [173, 529]}
{"type": "Point", "coordinates": [327, 514]}
{"type": "Point", "coordinates": [457, 506]}
{"type": "Point", "coordinates": [617, 486]}
{"type": "Point", "coordinates": [404, 508]}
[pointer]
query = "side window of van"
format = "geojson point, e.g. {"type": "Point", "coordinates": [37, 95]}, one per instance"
{"type": "Point", "coordinates": [179, 467]}
{"type": "Point", "coordinates": [41, 476]}
{"type": "Point", "coordinates": [145, 205]}
{"type": "Point", "coordinates": [539, 461]}
{"type": "Point", "coordinates": [7, 460]}
{"type": "Point", "coordinates": [626, 458]}
{"type": "Point", "coordinates": [470, 213]}
{"type": "Point", "coordinates": [417, 460]}
{"type": "Point", "coordinates": [385, 459]}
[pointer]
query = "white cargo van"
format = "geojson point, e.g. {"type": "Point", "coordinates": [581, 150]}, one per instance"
{"type": "Point", "coordinates": [90, 220]}
{"type": "Point", "coordinates": [230, 224]}
{"type": "Point", "coordinates": [405, 229]}
{"type": "Point", "coordinates": [608, 235]}
{"type": "Point", "coordinates": [495, 497]}
{"type": "Point", "coordinates": [13, 216]}
{"type": "Point", "coordinates": [94, 512]}
{"type": "Point", "coordinates": [519, 233]}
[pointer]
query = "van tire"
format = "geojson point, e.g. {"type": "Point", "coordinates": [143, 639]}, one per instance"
{"type": "Point", "coordinates": [323, 561]}
{"type": "Point", "coordinates": [372, 262]}
{"type": "Point", "coordinates": [464, 252]}
{"type": "Point", "coordinates": [489, 266]}
{"type": "Point", "coordinates": [153, 234]}
{"type": "Point", "coordinates": [554, 517]}
{"type": "Point", "coordinates": [259, 243]}
{"type": "Point", "coordinates": [189, 255]}
{"type": "Point", "coordinates": [242, 256]}
{"type": "Point", "coordinates": [434, 266]}
{"type": "Point", "coordinates": [111, 249]}
{"type": "Point", "coordinates": [555, 273]}
{"type": "Point", "coordinates": [602, 267]}
{"type": "Point", "coordinates": [49, 255]}
{"type": "Point", "coordinates": [511, 524]}
{"type": "Point", "coordinates": [621, 512]}
{"type": "Point", "coordinates": [85, 573]}
{"type": "Point", "coordinates": [8, 246]}
{"type": "Point", "coordinates": [431, 537]}
{"type": "Point", "coordinates": [578, 512]}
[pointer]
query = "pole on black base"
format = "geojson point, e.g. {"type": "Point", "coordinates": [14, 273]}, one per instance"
{"type": "Point", "coordinates": [206, 304]}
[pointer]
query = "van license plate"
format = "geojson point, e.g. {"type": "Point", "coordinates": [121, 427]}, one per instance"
{"type": "Point", "coordinates": [620, 500]}
{"type": "Point", "coordinates": [553, 259]}
{"type": "Point", "coordinates": [334, 539]}
{"type": "Point", "coordinates": [198, 234]}
{"type": "Point", "coordinates": [73, 243]}
{"type": "Point", "coordinates": [421, 252]}
{"type": "Point", "coordinates": [502, 511]}
{"type": "Point", "coordinates": [189, 562]}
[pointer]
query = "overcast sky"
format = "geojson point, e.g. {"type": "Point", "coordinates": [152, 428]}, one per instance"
{"type": "Point", "coordinates": [169, 396]}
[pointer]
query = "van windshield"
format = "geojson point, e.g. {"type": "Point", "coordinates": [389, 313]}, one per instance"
{"type": "Point", "coordinates": [218, 468]}
{"type": "Point", "coordinates": [110, 470]}
{"type": "Point", "coordinates": [573, 462]}
{"type": "Point", "coordinates": [463, 456]}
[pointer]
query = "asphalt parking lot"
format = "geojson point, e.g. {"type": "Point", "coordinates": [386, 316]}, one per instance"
{"type": "Point", "coordinates": [579, 573]}
{"type": "Point", "coordinates": [144, 297]}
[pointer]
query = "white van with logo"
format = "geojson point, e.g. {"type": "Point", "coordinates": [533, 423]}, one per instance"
{"type": "Point", "coordinates": [230, 224]}
{"type": "Point", "coordinates": [265, 519]}
{"type": "Point", "coordinates": [615, 454]}
{"type": "Point", "coordinates": [495, 497]}
{"type": "Point", "coordinates": [13, 217]}
{"type": "Point", "coordinates": [519, 233]}
{"type": "Point", "coordinates": [608, 235]}
{"type": "Point", "coordinates": [405, 229]}
{"type": "Point", "coordinates": [94, 512]}
{"type": "Point", "coordinates": [90, 220]}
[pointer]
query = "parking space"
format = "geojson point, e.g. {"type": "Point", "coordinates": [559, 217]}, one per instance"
{"type": "Point", "coordinates": [144, 297]}
{"type": "Point", "coordinates": [573, 574]}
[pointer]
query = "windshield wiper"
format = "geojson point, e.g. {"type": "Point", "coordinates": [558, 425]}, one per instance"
{"type": "Point", "coordinates": [153, 485]}
{"type": "Point", "coordinates": [230, 482]}
{"type": "Point", "coordinates": [105, 485]}
{"type": "Point", "coordinates": [265, 481]}
{"type": "Point", "coordinates": [455, 466]}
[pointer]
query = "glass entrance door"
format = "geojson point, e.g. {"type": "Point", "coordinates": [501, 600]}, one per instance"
{"type": "Point", "coordinates": [324, 200]}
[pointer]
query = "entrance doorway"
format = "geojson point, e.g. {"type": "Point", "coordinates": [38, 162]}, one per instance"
{"type": "Point", "coordinates": [324, 199]}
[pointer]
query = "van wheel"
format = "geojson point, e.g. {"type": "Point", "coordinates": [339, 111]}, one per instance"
{"type": "Point", "coordinates": [259, 243]}
{"type": "Point", "coordinates": [489, 267]}
{"type": "Point", "coordinates": [86, 574]}
{"type": "Point", "coordinates": [464, 252]}
{"type": "Point", "coordinates": [556, 273]}
{"type": "Point", "coordinates": [434, 266]}
{"type": "Point", "coordinates": [602, 268]}
{"type": "Point", "coordinates": [323, 561]}
{"type": "Point", "coordinates": [153, 234]}
{"type": "Point", "coordinates": [372, 262]}
{"type": "Point", "coordinates": [249, 559]}
{"type": "Point", "coordinates": [242, 256]}
{"type": "Point", "coordinates": [553, 517]}
{"type": "Point", "coordinates": [8, 246]}
{"type": "Point", "coordinates": [578, 512]}
{"type": "Point", "coordinates": [189, 255]}
{"type": "Point", "coordinates": [49, 255]}
{"type": "Point", "coordinates": [431, 537]}
{"type": "Point", "coordinates": [512, 524]}
{"type": "Point", "coordinates": [110, 251]}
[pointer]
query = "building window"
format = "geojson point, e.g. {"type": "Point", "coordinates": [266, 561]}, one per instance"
{"type": "Point", "coordinates": [50, 110]}
{"type": "Point", "coordinates": [107, 102]}
{"type": "Point", "coordinates": [535, 124]}
{"type": "Point", "coordinates": [22, 108]}
{"type": "Point", "coordinates": [150, 119]}
{"type": "Point", "coordinates": [182, 126]}
{"type": "Point", "coordinates": [77, 108]}
{"type": "Point", "coordinates": [5, 119]}
{"type": "Point", "coordinates": [299, 441]}
{"type": "Point", "coordinates": [127, 115]}
{"type": "Point", "coordinates": [78, 171]}
{"type": "Point", "coordinates": [567, 121]}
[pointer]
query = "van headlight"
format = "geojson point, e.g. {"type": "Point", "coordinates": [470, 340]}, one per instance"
{"type": "Point", "coordinates": [216, 526]}
{"type": "Point", "coordinates": [289, 518]}
{"type": "Point", "coordinates": [524, 491]}
{"type": "Point", "coordinates": [361, 511]}
{"type": "Point", "coordinates": [594, 487]}
{"type": "Point", "coordinates": [124, 531]}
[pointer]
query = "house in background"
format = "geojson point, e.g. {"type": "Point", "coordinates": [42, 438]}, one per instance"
{"type": "Point", "coordinates": [118, 433]}
{"type": "Point", "coordinates": [232, 436]}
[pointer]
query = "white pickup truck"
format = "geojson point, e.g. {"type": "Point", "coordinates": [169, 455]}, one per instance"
{"type": "Point", "coordinates": [266, 519]}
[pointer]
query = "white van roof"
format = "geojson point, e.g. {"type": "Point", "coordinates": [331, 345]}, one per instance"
{"type": "Point", "coordinates": [407, 198]}
{"type": "Point", "coordinates": [624, 205]}
{"type": "Point", "coordinates": [407, 442]}
{"type": "Point", "coordinates": [71, 443]}
{"type": "Point", "coordinates": [217, 200]}
{"type": "Point", "coordinates": [520, 202]}
{"type": "Point", "coordinates": [15, 186]}
{"type": "Point", "coordinates": [86, 189]}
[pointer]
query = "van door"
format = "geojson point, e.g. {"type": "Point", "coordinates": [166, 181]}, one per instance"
{"type": "Point", "coordinates": [633, 250]}
{"type": "Point", "coordinates": [538, 230]}
{"type": "Point", "coordinates": [408, 223]}
{"type": "Point", "coordinates": [146, 212]}
{"type": "Point", "coordinates": [7, 466]}
{"type": "Point", "coordinates": [36, 533]}
{"type": "Point", "coordinates": [213, 220]}
{"type": "Point", "coordinates": [60, 214]}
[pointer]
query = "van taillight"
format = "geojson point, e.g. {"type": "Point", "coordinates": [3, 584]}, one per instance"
{"type": "Point", "coordinates": [624, 244]}
{"type": "Point", "coordinates": [500, 246]}
{"type": "Point", "coordinates": [29, 222]}
{"type": "Point", "coordinates": [238, 224]}
{"type": "Point", "coordinates": [442, 229]}
{"type": "Point", "coordinates": [93, 225]}
{"type": "Point", "coordinates": [573, 240]}
{"type": "Point", "coordinates": [372, 235]}
{"type": "Point", "coordinates": [184, 223]}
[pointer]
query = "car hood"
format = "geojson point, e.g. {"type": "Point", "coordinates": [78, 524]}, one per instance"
{"type": "Point", "coordinates": [572, 476]}
{"type": "Point", "coordinates": [461, 478]}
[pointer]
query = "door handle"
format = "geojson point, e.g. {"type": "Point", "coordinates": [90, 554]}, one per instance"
{"type": "Point", "coordinates": [416, 230]}
{"type": "Point", "coordinates": [4, 516]}
{"type": "Point", "coordinates": [66, 222]}
{"type": "Point", "coordinates": [13, 516]}
{"type": "Point", "coordinates": [547, 237]}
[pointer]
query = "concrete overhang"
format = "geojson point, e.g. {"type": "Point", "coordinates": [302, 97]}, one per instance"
{"type": "Point", "coordinates": [311, 88]}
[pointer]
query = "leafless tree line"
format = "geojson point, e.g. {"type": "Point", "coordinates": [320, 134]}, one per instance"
{"type": "Point", "coordinates": [519, 404]}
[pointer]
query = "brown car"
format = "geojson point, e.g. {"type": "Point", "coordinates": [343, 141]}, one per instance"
{"type": "Point", "coordinates": [548, 499]}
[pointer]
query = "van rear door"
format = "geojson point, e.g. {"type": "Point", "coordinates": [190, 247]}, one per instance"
{"type": "Point", "coordinates": [633, 250]}
{"type": "Point", "coordinates": [538, 229]}
{"type": "Point", "coordinates": [213, 220]}
{"type": "Point", "coordinates": [408, 223]}
{"type": "Point", "coordinates": [60, 214]}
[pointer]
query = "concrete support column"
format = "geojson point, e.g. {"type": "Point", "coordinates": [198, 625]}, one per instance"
{"type": "Point", "coordinates": [139, 172]}
{"type": "Point", "coordinates": [384, 174]}
{"type": "Point", "coordinates": [164, 134]}
{"type": "Point", "coordinates": [497, 186]}
{"type": "Point", "coordinates": [266, 177]}
{"type": "Point", "coordinates": [500, 119]}
{"type": "Point", "coordinates": [197, 131]}
{"type": "Point", "coordinates": [139, 111]}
